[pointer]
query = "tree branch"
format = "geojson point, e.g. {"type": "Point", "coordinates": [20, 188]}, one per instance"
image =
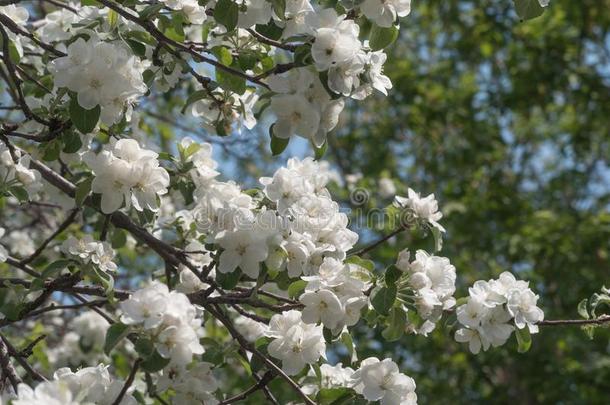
{"type": "Point", "coordinates": [8, 371]}
{"type": "Point", "coordinates": [267, 377]}
{"type": "Point", "coordinates": [603, 319]}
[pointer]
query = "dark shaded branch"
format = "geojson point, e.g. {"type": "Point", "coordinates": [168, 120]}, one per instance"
{"type": "Point", "coordinates": [21, 360]}
{"type": "Point", "coordinates": [267, 377]}
{"type": "Point", "coordinates": [8, 371]}
{"type": "Point", "coordinates": [128, 382]}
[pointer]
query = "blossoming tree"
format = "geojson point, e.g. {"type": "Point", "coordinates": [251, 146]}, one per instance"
{"type": "Point", "coordinates": [248, 294]}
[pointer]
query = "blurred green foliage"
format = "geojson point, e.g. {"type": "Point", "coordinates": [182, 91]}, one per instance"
{"type": "Point", "coordinates": [508, 123]}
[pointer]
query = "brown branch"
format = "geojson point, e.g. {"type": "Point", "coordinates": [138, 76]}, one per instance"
{"type": "Point", "coordinates": [12, 26]}
{"type": "Point", "coordinates": [373, 245]}
{"type": "Point", "coordinates": [21, 360]}
{"type": "Point", "coordinates": [8, 371]}
{"type": "Point", "coordinates": [267, 377]}
{"type": "Point", "coordinates": [54, 307]}
{"type": "Point", "coordinates": [128, 382]}
{"type": "Point", "coordinates": [269, 41]}
{"type": "Point", "coordinates": [23, 267]}
{"type": "Point", "coordinates": [603, 319]}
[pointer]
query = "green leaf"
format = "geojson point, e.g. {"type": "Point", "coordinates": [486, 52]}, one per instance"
{"type": "Point", "coordinates": [278, 145]}
{"type": "Point", "coordinates": [295, 289]}
{"type": "Point", "coordinates": [55, 267]}
{"type": "Point", "coordinates": [327, 396]}
{"type": "Point", "coordinates": [226, 12]}
{"type": "Point", "coordinates": [524, 339]}
{"type": "Point", "coordinates": [113, 18]}
{"type": "Point", "coordinates": [19, 193]}
{"type": "Point", "coordinates": [144, 347]}
{"type": "Point", "coordinates": [153, 363]}
{"type": "Point", "coordinates": [191, 149]}
{"type": "Point", "coordinates": [228, 281]}
{"type": "Point", "coordinates": [72, 142]}
{"type": "Point", "coordinates": [382, 37]}
{"type": "Point", "coordinates": [438, 238]}
{"type": "Point", "coordinates": [194, 97]}
{"type": "Point", "coordinates": [392, 274]}
{"type": "Point", "coordinates": [84, 120]}
{"type": "Point", "coordinates": [383, 298]}
{"type": "Point", "coordinates": [528, 9]}
{"type": "Point", "coordinates": [114, 334]}
{"type": "Point", "coordinates": [151, 10]}
{"type": "Point", "coordinates": [51, 152]}
{"type": "Point", "coordinates": [397, 321]}
{"type": "Point", "coordinates": [582, 309]}
{"type": "Point", "coordinates": [367, 264]}
{"type": "Point", "coordinates": [138, 48]}
{"type": "Point", "coordinates": [119, 238]}
{"type": "Point", "coordinates": [347, 340]}
{"type": "Point", "coordinates": [270, 30]}
{"type": "Point", "coordinates": [302, 55]}
{"type": "Point", "coordinates": [279, 6]}
{"type": "Point", "coordinates": [82, 190]}
{"type": "Point", "coordinates": [231, 81]}
{"type": "Point", "coordinates": [223, 55]}
{"type": "Point", "coordinates": [247, 60]}
{"type": "Point", "coordinates": [105, 279]}
{"type": "Point", "coordinates": [319, 152]}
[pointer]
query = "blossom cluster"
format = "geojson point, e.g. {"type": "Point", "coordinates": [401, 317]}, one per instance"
{"type": "Point", "coordinates": [336, 295]}
{"type": "Point", "coordinates": [375, 380]}
{"type": "Point", "coordinates": [425, 209]}
{"type": "Point", "coordinates": [382, 381]}
{"type": "Point", "coordinates": [101, 73]}
{"type": "Point", "coordinates": [292, 231]}
{"type": "Point", "coordinates": [493, 309]}
{"type": "Point", "coordinates": [295, 343]}
{"type": "Point", "coordinates": [88, 250]}
{"type": "Point", "coordinates": [169, 319]}
{"type": "Point", "coordinates": [432, 279]}
{"type": "Point", "coordinates": [88, 385]}
{"type": "Point", "coordinates": [127, 174]}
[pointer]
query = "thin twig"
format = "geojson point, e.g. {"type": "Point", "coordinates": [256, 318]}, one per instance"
{"type": "Point", "coordinates": [373, 245]}
{"type": "Point", "coordinates": [564, 322]}
{"type": "Point", "coordinates": [268, 376]}
{"type": "Point", "coordinates": [128, 382]}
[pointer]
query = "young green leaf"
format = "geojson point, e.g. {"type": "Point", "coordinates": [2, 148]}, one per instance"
{"type": "Point", "coordinates": [226, 12]}
{"type": "Point", "coordinates": [382, 37]}
{"type": "Point", "coordinates": [84, 120]}
{"type": "Point", "coordinates": [528, 9]}
{"type": "Point", "coordinates": [114, 334]}
{"type": "Point", "coordinates": [383, 298]}
{"type": "Point", "coordinates": [524, 339]}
